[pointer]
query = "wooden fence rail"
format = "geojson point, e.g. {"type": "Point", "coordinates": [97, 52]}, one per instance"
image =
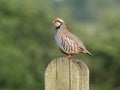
{"type": "Point", "coordinates": [66, 74]}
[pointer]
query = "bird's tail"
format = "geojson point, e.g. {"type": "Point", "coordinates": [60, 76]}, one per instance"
{"type": "Point", "coordinates": [90, 54]}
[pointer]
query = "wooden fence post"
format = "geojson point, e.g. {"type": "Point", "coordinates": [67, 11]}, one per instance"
{"type": "Point", "coordinates": [66, 74]}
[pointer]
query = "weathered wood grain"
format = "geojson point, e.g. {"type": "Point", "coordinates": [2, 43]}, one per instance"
{"type": "Point", "coordinates": [66, 74]}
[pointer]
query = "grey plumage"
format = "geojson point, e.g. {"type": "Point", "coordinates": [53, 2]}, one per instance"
{"type": "Point", "coordinates": [66, 41]}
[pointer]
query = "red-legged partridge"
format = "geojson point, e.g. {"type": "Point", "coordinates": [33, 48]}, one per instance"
{"type": "Point", "coordinates": [68, 43]}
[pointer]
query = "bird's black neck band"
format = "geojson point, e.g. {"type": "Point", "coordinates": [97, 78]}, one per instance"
{"type": "Point", "coordinates": [58, 27]}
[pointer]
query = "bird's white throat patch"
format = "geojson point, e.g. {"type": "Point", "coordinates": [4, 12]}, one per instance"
{"type": "Point", "coordinates": [57, 24]}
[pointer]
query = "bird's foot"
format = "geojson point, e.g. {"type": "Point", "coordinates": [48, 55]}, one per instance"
{"type": "Point", "coordinates": [68, 56]}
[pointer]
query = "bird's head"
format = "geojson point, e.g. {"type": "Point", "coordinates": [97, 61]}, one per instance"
{"type": "Point", "coordinates": [58, 22]}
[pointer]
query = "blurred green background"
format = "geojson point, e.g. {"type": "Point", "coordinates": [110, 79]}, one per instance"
{"type": "Point", "coordinates": [27, 42]}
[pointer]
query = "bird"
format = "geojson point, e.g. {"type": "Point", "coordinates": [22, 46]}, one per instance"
{"type": "Point", "coordinates": [67, 42]}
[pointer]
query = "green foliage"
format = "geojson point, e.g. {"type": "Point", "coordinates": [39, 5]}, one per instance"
{"type": "Point", "coordinates": [27, 40]}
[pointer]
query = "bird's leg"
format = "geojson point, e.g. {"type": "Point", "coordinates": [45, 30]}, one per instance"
{"type": "Point", "coordinates": [68, 56]}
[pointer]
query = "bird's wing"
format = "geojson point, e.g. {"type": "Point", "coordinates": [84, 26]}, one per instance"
{"type": "Point", "coordinates": [77, 41]}
{"type": "Point", "coordinates": [81, 45]}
